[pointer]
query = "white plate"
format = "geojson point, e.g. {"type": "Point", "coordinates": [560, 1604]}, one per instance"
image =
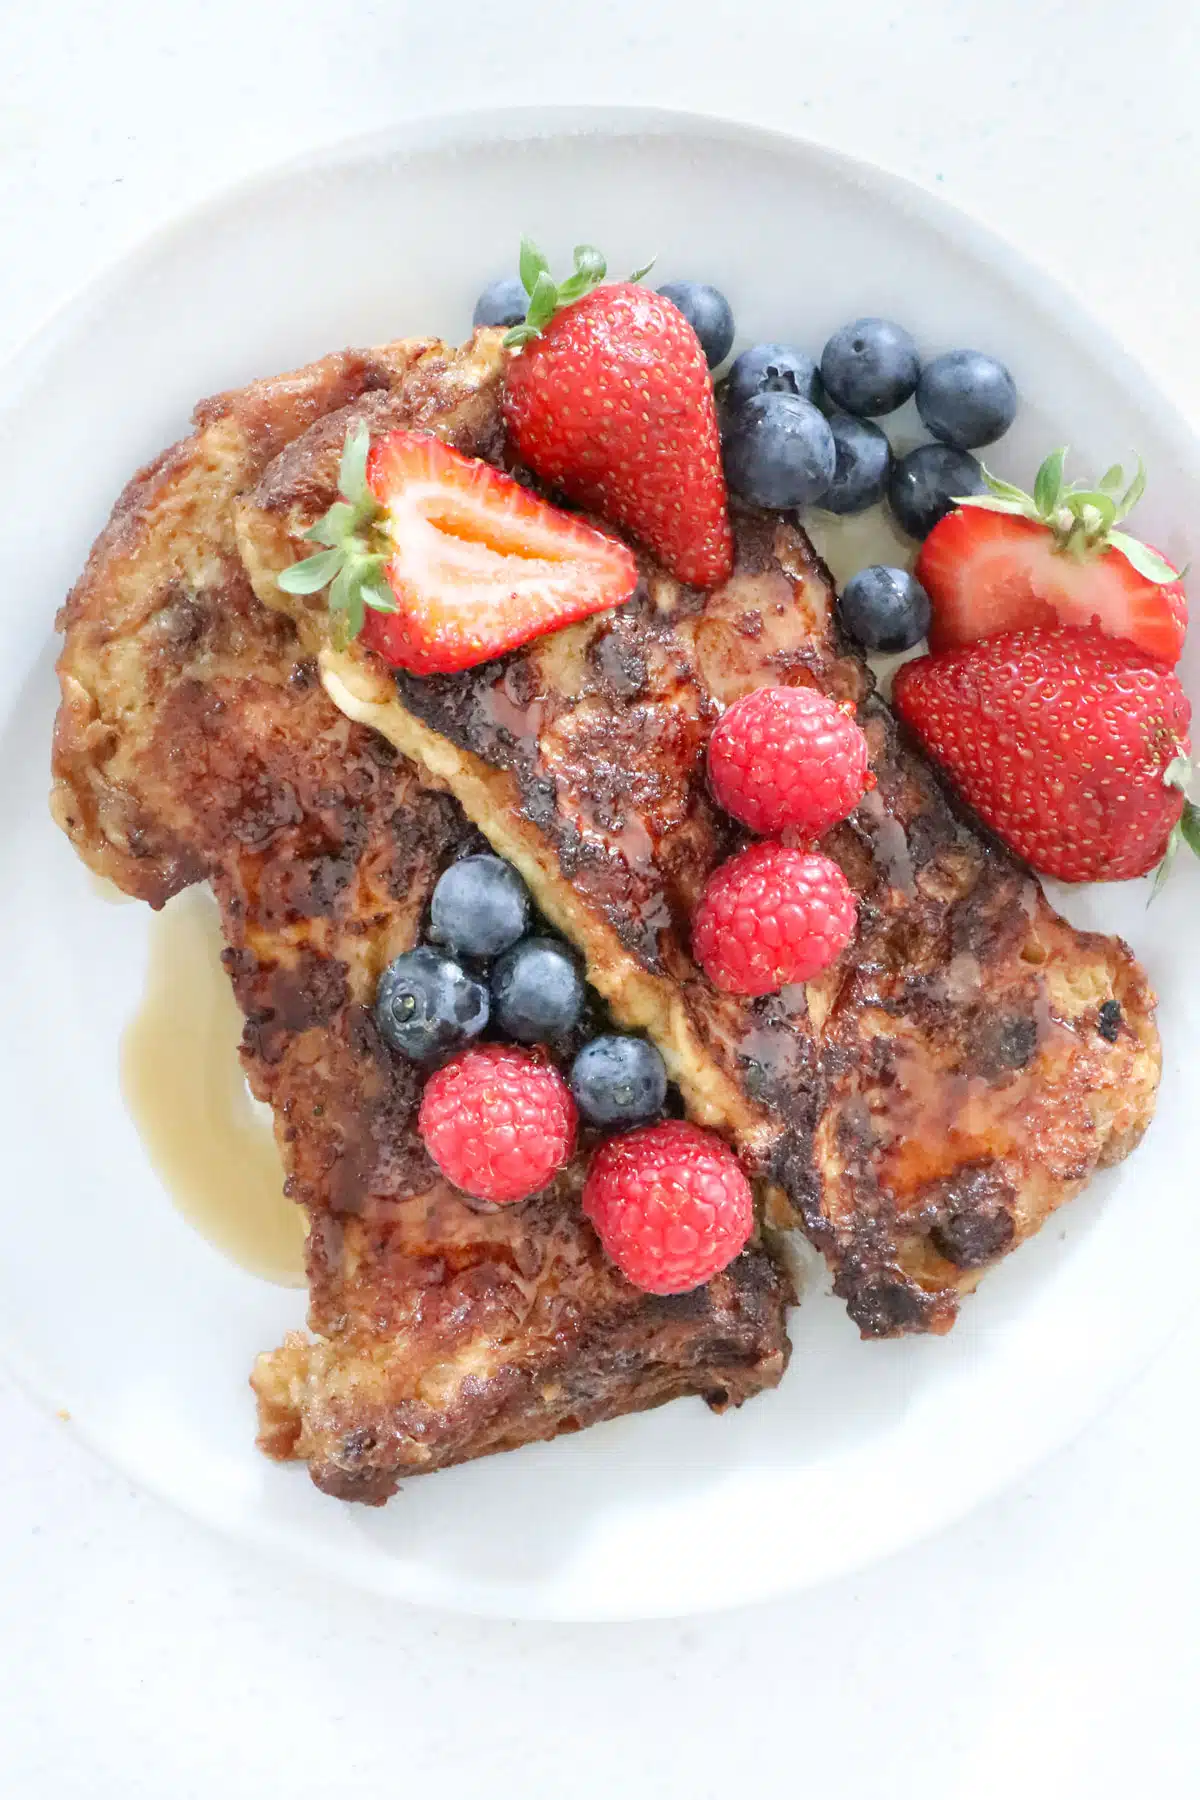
{"type": "Point", "coordinates": [112, 1308]}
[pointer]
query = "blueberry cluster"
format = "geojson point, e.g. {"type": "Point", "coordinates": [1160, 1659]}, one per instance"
{"type": "Point", "coordinates": [798, 431]}
{"type": "Point", "coordinates": [801, 433]}
{"type": "Point", "coordinates": [487, 967]}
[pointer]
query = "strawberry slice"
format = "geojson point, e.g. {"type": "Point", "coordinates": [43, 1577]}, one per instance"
{"type": "Point", "coordinates": [479, 564]}
{"type": "Point", "coordinates": [1006, 561]}
{"type": "Point", "coordinates": [442, 562]}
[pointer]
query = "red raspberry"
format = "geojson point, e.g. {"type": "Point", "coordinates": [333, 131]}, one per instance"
{"type": "Point", "coordinates": [670, 1205]}
{"type": "Point", "coordinates": [785, 758]}
{"type": "Point", "coordinates": [497, 1122]}
{"type": "Point", "coordinates": [770, 916]}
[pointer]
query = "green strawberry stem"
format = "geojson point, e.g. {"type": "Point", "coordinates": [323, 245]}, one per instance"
{"type": "Point", "coordinates": [352, 566]}
{"type": "Point", "coordinates": [1082, 519]}
{"type": "Point", "coordinates": [547, 296]}
{"type": "Point", "coordinates": [1186, 828]}
{"type": "Point", "coordinates": [1178, 774]}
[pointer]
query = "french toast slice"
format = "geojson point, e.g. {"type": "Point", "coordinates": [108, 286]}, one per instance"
{"type": "Point", "coordinates": [194, 742]}
{"type": "Point", "coordinates": [922, 1107]}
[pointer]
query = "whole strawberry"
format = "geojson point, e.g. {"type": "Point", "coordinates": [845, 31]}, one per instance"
{"type": "Point", "coordinates": [608, 398]}
{"type": "Point", "coordinates": [1069, 744]}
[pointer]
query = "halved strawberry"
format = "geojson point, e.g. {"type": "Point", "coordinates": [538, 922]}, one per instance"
{"type": "Point", "coordinates": [480, 565]}
{"type": "Point", "coordinates": [443, 562]}
{"type": "Point", "coordinates": [1008, 561]}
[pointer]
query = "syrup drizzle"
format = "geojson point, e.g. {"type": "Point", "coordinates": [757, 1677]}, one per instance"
{"type": "Point", "coordinates": [210, 1142]}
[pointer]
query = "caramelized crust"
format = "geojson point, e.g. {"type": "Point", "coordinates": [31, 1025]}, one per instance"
{"type": "Point", "coordinates": [923, 1106]}
{"type": "Point", "coordinates": [195, 742]}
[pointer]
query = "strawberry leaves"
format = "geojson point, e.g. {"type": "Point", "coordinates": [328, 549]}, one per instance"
{"type": "Point", "coordinates": [350, 565]}
{"type": "Point", "coordinates": [547, 296]}
{"type": "Point", "coordinates": [1178, 774]}
{"type": "Point", "coordinates": [1147, 562]}
{"type": "Point", "coordinates": [532, 264]}
{"type": "Point", "coordinates": [314, 573]}
{"type": "Point", "coordinates": [1083, 519]}
{"type": "Point", "coordinates": [1047, 489]}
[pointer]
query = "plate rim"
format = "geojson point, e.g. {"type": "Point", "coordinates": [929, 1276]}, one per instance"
{"type": "Point", "coordinates": [427, 131]}
{"type": "Point", "coordinates": [1050, 296]}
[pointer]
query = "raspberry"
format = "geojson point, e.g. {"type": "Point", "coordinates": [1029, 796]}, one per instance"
{"type": "Point", "coordinates": [497, 1122]}
{"type": "Point", "coordinates": [770, 916]}
{"type": "Point", "coordinates": [788, 758]}
{"type": "Point", "coordinates": [670, 1205]}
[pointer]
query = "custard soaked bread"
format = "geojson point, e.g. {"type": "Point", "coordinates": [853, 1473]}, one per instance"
{"type": "Point", "coordinates": [921, 1107]}
{"type": "Point", "coordinates": [195, 743]}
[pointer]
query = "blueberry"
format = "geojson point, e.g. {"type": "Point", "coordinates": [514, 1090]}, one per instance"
{"type": "Point", "coordinates": [537, 991]}
{"type": "Point", "coordinates": [966, 398]}
{"type": "Point", "coordinates": [708, 313]}
{"type": "Point", "coordinates": [870, 367]}
{"type": "Point", "coordinates": [502, 302]}
{"type": "Point", "coordinates": [884, 609]}
{"type": "Point", "coordinates": [619, 1081]}
{"type": "Point", "coordinates": [425, 1003]}
{"type": "Point", "coordinates": [779, 451]}
{"type": "Point", "coordinates": [771, 369]}
{"type": "Point", "coordinates": [925, 484]}
{"type": "Point", "coordinates": [864, 459]}
{"type": "Point", "coordinates": [480, 906]}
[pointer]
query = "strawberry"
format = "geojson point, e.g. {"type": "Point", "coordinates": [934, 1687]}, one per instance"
{"type": "Point", "coordinates": [1009, 561]}
{"type": "Point", "coordinates": [608, 398]}
{"type": "Point", "coordinates": [1069, 744]}
{"type": "Point", "coordinates": [442, 562]}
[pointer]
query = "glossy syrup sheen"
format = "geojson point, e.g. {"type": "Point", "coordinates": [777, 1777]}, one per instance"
{"type": "Point", "coordinates": [210, 1142]}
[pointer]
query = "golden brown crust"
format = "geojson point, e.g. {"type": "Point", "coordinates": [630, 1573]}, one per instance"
{"type": "Point", "coordinates": [195, 742]}
{"type": "Point", "coordinates": [927, 1103]}
{"type": "Point", "coordinates": [168, 549]}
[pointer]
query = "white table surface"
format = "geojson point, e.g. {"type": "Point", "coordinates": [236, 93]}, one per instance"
{"type": "Point", "coordinates": [1047, 1645]}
